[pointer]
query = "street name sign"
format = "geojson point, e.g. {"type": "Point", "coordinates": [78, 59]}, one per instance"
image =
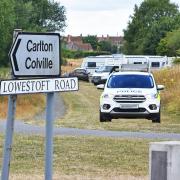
{"type": "Point", "coordinates": [29, 86]}
{"type": "Point", "coordinates": [36, 54]}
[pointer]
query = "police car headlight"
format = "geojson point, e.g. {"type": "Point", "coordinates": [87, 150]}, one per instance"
{"type": "Point", "coordinates": [152, 96]}
{"type": "Point", "coordinates": [106, 96]}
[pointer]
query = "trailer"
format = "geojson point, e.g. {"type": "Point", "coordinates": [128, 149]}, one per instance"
{"type": "Point", "coordinates": [91, 64]}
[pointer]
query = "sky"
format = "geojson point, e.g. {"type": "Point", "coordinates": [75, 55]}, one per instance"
{"type": "Point", "coordinates": [99, 17]}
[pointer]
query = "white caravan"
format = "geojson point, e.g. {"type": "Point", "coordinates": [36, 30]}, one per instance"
{"type": "Point", "coordinates": [92, 63]}
{"type": "Point", "coordinates": [155, 62]}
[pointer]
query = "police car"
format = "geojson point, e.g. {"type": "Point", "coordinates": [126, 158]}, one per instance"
{"type": "Point", "coordinates": [130, 94]}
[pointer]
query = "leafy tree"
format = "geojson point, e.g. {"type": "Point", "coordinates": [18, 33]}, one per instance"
{"type": "Point", "coordinates": [104, 46]}
{"type": "Point", "coordinates": [7, 21]}
{"type": "Point", "coordinates": [40, 15]}
{"type": "Point", "coordinates": [29, 15]}
{"type": "Point", "coordinates": [148, 25]}
{"type": "Point", "coordinates": [114, 49]}
{"type": "Point", "coordinates": [170, 45]}
{"type": "Point", "coordinates": [92, 40]}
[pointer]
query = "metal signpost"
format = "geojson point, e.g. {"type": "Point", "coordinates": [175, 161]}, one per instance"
{"type": "Point", "coordinates": [34, 55]}
{"type": "Point", "coordinates": [9, 129]}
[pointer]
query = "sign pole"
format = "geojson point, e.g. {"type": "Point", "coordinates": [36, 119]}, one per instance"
{"type": "Point", "coordinates": [8, 137]}
{"type": "Point", "coordinates": [9, 129]}
{"type": "Point", "coordinates": [49, 136]}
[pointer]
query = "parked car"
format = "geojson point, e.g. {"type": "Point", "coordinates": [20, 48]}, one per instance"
{"type": "Point", "coordinates": [80, 73]}
{"type": "Point", "coordinates": [130, 94]}
{"type": "Point", "coordinates": [101, 74]}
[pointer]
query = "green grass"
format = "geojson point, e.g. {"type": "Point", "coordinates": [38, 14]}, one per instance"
{"type": "Point", "coordinates": [4, 73]}
{"type": "Point", "coordinates": [85, 156]}
{"type": "Point", "coordinates": [83, 112]}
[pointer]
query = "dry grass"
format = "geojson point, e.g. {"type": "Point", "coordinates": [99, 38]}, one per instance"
{"type": "Point", "coordinates": [171, 95]}
{"type": "Point", "coordinates": [83, 111]}
{"type": "Point", "coordinates": [27, 106]}
{"type": "Point", "coordinates": [74, 177]}
{"type": "Point", "coordinates": [71, 64]}
{"type": "Point", "coordinates": [80, 158]}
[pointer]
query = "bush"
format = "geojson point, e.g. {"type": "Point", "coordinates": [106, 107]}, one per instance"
{"type": "Point", "coordinates": [176, 61]}
{"type": "Point", "coordinates": [64, 61]}
{"type": "Point", "coordinates": [80, 54]}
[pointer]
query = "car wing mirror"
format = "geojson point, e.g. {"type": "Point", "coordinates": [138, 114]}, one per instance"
{"type": "Point", "coordinates": [160, 87]}
{"type": "Point", "coordinates": [100, 86]}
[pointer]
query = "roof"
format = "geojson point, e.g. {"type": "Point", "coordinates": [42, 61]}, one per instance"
{"type": "Point", "coordinates": [132, 72]}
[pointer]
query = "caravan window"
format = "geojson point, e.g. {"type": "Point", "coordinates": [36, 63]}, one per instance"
{"type": "Point", "coordinates": [91, 64]}
{"type": "Point", "coordinates": [155, 64]}
{"type": "Point", "coordinates": [137, 62]}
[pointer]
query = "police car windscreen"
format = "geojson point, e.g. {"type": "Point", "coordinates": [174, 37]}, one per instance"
{"type": "Point", "coordinates": [130, 81]}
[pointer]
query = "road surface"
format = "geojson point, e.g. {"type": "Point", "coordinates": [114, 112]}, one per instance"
{"type": "Point", "coordinates": [28, 129]}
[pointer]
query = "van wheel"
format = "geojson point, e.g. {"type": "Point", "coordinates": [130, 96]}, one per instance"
{"type": "Point", "coordinates": [156, 118]}
{"type": "Point", "coordinates": [104, 118]}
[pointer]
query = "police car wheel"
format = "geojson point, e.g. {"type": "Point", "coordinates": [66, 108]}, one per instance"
{"type": "Point", "coordinates": [103, 117]}
{"type": "Point", "coordinates": [156, 118]}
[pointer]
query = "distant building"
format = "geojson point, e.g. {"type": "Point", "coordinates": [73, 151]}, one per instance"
{"type": "Point", "coordinates": [115, 40]}
{"type": "Point", "coordinates": [76, 43]}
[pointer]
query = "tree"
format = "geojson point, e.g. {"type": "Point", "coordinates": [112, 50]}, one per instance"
{"type": "Point", "coordinates": [148, 25]}
{"type": "Point", "coordinates": [29, 15]}
{"type": "Point", "coordinates": [40, 15]}
{"type": "Point", "coordinates": [170, 45]}
{"type": "Point", "coordinates": [7, 21]}
{"type": "Point", "coordinates": [92, 40]}
{"type": "Point", "coordinates": [105, 46]}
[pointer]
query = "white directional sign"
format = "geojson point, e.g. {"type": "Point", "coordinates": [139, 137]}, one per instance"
{"type": "Point", "coordinates": [36, 54]}
{"type": "Point", "coordinates": [38, 86]}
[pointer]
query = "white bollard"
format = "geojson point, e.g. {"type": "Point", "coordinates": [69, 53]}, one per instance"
{"type": "Point", "coordinates": [164, 160]}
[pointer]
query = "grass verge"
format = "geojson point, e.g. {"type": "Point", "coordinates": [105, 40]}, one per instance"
{"type": "Point", "coordinates": [83, 112]}
{"type": "Point", "coordinates": [81, 156]}
{"type": "Point", "coordinates": [27, 106]}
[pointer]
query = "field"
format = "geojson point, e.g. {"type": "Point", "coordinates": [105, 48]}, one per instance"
{"type": "Point", "coordinates": [27, 105]}
{"type": "Point", "coordinates": [83, 107]}
{"type": "Point", "coordinates": [80, 158]}
{"type": "Point", "coordinates": [84, 157]}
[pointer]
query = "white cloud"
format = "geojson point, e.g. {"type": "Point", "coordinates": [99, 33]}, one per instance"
{"type": "Point", "coordinates": [97, 5]}
{"type": "Point", "coordinates": [99, 16]}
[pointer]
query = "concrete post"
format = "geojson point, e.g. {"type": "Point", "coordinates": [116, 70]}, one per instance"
{"type": "Point", "coordinates": [164, 160]}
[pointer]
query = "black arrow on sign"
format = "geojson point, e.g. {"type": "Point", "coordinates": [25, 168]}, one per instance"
{"type": "Point", "coordinates": [14, 55]}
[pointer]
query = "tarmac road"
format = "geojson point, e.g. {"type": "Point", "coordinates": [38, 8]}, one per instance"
{"type": "Point", "coordinates": [28, 129]}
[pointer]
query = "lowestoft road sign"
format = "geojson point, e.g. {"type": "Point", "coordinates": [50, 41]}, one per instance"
{"type": "Point", "coordinates": [8, 87]}
{"type": "Point", "coordinates": [36, 54]}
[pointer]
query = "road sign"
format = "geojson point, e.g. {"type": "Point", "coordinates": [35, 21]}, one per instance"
{"type": "Point", "coordinates": [38, 85]}
{"type": "Point", "coordinates": [36, 54]}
